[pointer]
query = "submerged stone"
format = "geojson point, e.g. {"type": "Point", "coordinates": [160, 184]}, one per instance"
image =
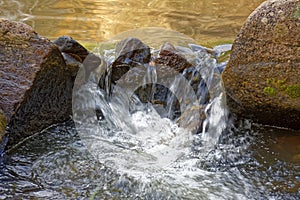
{"type": "Point", "coordinates": [263, 72]}
{"type": "Point", "coordinates": [35, 83]}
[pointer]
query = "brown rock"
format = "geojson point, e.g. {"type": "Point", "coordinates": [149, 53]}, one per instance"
{"type": "Point", "coordinates": [171, 57]}
{"type": "Point", "coordinates": [129, 53]}
{"type": "Point", "coordinates": [35, 84]}
{"type": "Point", "coordinates": [262, 77]}
{"type": "Point", "coordinates": [68, 45]}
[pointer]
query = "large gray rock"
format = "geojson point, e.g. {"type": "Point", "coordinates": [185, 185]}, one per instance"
{"type": "Point", "coordinates": [262, 77]}
{"type": "Point", "coordinates": [35, 84]}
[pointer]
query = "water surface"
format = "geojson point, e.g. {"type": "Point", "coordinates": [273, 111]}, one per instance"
{"type": "Point", "coordinates": [99, 20]}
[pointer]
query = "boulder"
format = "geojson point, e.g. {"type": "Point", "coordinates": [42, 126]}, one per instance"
{"type": "Point", "coordinates": [35, 84]}
{"type": "Point", "coordinates": [262, 77]}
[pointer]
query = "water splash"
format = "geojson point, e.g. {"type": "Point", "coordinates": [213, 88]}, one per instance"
{"type": "Point", "coordinates": [134, 138]}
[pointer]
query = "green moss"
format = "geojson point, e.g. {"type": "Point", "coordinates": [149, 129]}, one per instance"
{"type": "Point", "coordinates": [274, 85]}
{"type": "Point", "coordinates": [279, 85]}
{"type": "Point", "coordinates": [269, 91]}
{"type": "Point", "coordinates": [293, 90]}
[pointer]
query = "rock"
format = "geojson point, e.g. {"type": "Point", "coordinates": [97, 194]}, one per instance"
{"type": "Point", "coordinates": [75, 54]}
{"type": "Point", "coordinates": [130, 52]}
{"type": "Point", "coordinates": [2, 125]}
{"type": "Point", "coordinates": [159, 96]}
{"type": "Point", "coordinates": [68, 45]}
{"type": "Point", "coordinates": [262, 77]}
{"type": "Point", "coordinates": [169, 63]}
{"type": "Point", "coordinates": [35, 84]}
{"type": "Point", "coordinates": [171, 57]}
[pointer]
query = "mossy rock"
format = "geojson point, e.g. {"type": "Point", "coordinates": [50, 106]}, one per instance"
{"type": "Point", "coordinates": [262, 77]}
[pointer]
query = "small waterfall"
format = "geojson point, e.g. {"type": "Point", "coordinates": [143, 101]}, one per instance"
{"type": "Point", "coordinates": [135, 138]}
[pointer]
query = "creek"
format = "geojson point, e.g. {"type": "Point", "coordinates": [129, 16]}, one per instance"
{"type": "Point", "coordinates": [136, 150]}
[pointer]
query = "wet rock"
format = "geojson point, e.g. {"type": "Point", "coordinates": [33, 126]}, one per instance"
{"type": "Point", "coordinates": [262, 77]}
{"type": "Point", "coordinates": [68, 45]}
{"type": "Point", "coordinates": [163, 100]}
{"type": "Point", "coordinates": [130, 52]}
{"type": "Point", "coordinates": [169, 63]}
{"type": "Point", "coordinates": [171, 57]}
{"type": "Point", "coordinates": [76, 56]}
{"type": "Point", "coordinates": [35, 84]}
{"type": "Point", "coordinates": [72, 63]}
{"type": "Point", "coordinates": [93, 67]}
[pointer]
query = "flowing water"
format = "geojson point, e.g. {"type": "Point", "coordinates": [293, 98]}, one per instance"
{"type": "Point", "coordinates": [131, 151]}
{"type": "Point", "coordinates": [136, 150]}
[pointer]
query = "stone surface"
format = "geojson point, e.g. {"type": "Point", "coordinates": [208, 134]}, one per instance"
{"type": "Point", "coordinates": [129, 53]}
{"type": "Point", "coordinates": [171, 57]}
{"type": "Point", "coordinates": [68, 45]}
{"type": "Point", "coordinates": [2, 125]}
{"type": "Point", "coordinates": [262, 77]}
{"type": "Point", "coordinates": [35, 84]}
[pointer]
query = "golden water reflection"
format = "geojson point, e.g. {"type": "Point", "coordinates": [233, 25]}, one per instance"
{"type": "Point", "coordinates": [99, 20]}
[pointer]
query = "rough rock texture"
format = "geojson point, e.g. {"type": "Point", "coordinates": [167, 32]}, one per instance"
{"type": "Point", "coordinates": [262, 77]}
{"type": "Point", "coordinates": [35, 84]}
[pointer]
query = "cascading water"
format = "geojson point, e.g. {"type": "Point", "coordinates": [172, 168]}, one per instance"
{"type": "Point", "coordinates": [133, 138]}
{"type": "Point", "coordinates": [123, 147]}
